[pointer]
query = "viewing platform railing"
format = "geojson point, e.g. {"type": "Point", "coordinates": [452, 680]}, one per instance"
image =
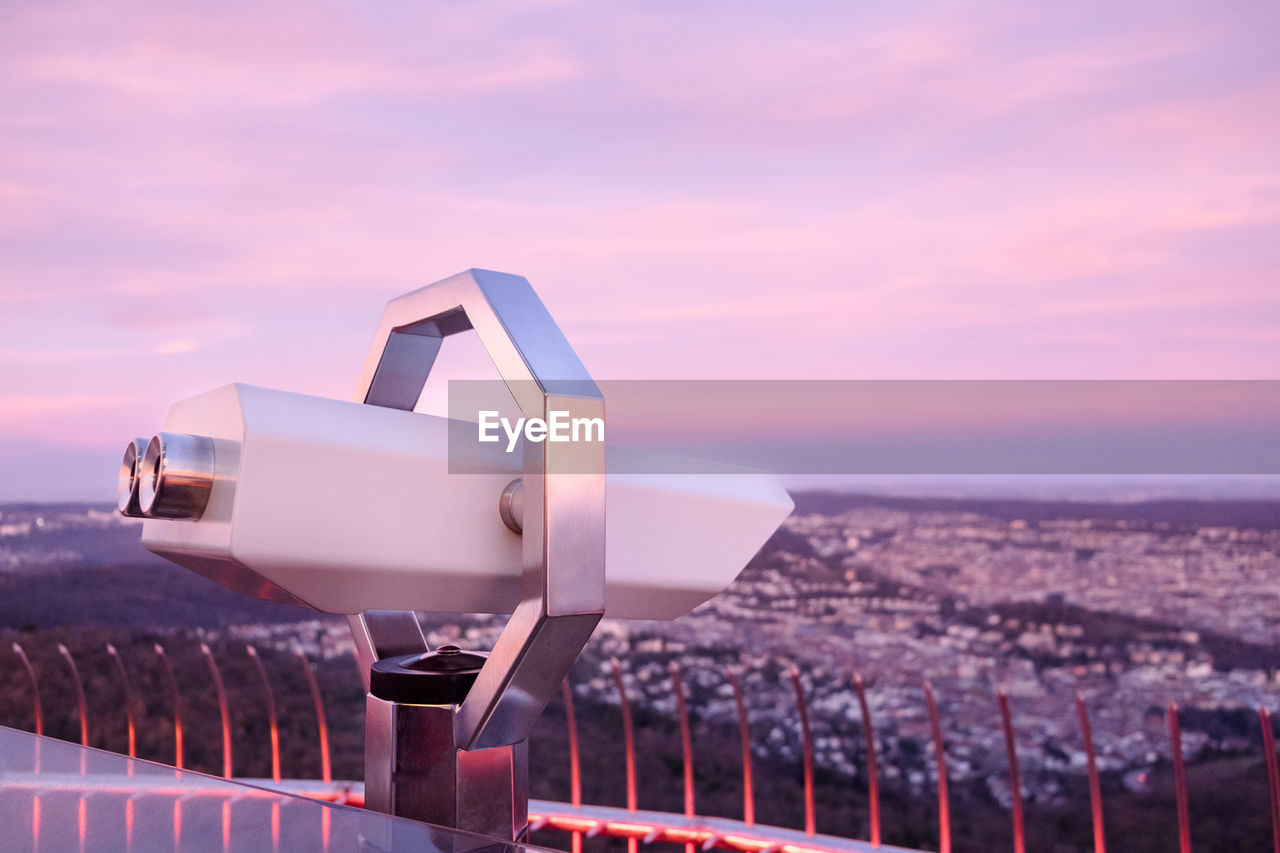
{"type": "Point", "coordinates": [640, 827]}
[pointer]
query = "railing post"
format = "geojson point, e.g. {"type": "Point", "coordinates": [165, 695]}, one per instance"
{"type": "Point", "coordinates": [748, 783]}
{"type": "Point", "coordinates": [629, 743]}
{"type": "Point", "coordinates": [272, 720]}
{"type": "Point", "coordinates": [806, 742]}
{"type": "Point", "coordinates": [1273, 774]}
{"type": "Point", "coordinates": [322, 725]}
{"type": "Point", "coordinates": [223, 712]}
{"type": "Point", "coordinates": [1095, 786]}
{"type": "Point", "coordinates": [1179, 780]}
{"type": "Point", "coordinates": [173, 695]}
{"type": "Point", "coordinates": [128, 702]}
{"type": "Point", "coordinates": [873, 783]}
{"type": "Point", "coordinates": [1015, 779]}
{"type": "Point", "coordinates": [575, 766]}
{"type": "Point", "coordinates": [80, 700]}
{"type": "Point", "coordinates": [940, 754]}
{"type": "Point", "coordinates": [37, 708]}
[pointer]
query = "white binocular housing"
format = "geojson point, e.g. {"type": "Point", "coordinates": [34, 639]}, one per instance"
{"type": "Point", "coordinates": [347, 507]}
{"type": "Point", "coordinates": [367, 508]}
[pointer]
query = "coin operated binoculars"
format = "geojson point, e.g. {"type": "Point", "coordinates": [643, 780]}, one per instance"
{"type": "Point", "coordinates": [352, 508]}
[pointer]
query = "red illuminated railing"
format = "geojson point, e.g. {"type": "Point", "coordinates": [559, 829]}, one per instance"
{"type": "Point", "coordinates": [646, 827]}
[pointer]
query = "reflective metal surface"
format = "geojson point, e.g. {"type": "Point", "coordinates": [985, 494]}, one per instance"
{"type": "Point", "coordinates": [511, 506]}
{"type": "Point", "coordinates": [59, 798]}
{"type": "Point", "coordinates": [563, 514]}
{"type": "Point", "coordinates": [382, 634]}
{"type": "Point", "coordinates": [414, 769]}
{"type": "Point", "coordinates": [127, 483]}
{"type": "Point", "coordinates": [402, 371]}
{"type": "Point", "coordinates": [176, 476]}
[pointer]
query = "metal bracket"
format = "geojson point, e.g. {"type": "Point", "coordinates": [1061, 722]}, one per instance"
{"type": "Point", "coordinates": [382, 634]}
{"type": "Point", "coordinates": [562, 596]}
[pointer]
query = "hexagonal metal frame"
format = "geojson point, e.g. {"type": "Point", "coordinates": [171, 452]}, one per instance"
{"type": "Point", "coordinates": [563, 551]}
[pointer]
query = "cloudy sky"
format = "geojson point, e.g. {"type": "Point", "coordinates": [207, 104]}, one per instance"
{"type": "Point", "coordinates": [718, 190]}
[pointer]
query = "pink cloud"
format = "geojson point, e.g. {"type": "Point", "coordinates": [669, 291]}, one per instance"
{"type": "Point", "coordinates": [76, 419]}
{"type": "Point", "coordinates": [990, 191]}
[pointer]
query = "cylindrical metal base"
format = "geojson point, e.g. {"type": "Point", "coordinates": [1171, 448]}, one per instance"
{"type": "Point", "coordinates": [414, 769]}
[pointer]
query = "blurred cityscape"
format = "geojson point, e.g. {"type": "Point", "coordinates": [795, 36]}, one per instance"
{"type": "Point", "coordinates": [1130, 605]}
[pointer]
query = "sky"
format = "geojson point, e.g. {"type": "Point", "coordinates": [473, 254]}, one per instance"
{"type": "Point", "coordinates": [191, 196]}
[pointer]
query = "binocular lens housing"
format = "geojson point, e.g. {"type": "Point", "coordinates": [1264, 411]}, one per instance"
{"type": "Point", "coordinates": [127, 484]}
{"type": "Point", "coordinates": [173, 479]}
{"type": "Point", "coordinates": [347, 507]}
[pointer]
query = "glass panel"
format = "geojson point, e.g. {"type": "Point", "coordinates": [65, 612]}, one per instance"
{"type": "Point", "coordinates": [56, 797]}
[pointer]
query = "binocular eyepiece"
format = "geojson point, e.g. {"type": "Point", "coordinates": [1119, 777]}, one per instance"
{"type": "Point", "coordinates": [170, 476]}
